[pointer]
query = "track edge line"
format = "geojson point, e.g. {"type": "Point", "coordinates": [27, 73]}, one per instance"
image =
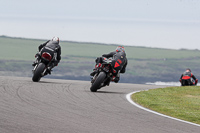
{"type": "Point", "coordinates": [128, 97]}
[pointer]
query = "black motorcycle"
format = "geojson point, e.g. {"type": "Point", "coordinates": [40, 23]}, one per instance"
{"type": "Point", "coordinates": [188, 82]}
{"type": "Point", "coordinates": [106, 72]}
{"type": "Point", "coordinates": [43, 62]}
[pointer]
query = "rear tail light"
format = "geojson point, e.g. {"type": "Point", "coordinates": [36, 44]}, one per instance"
{"type": "Point", "coordinates": [46, 56]}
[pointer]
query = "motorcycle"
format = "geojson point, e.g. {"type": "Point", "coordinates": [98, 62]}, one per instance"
{"type": "Point", "coordinates": [43, 62]}
{"type": "Point", "coordinates": [188, 81]}
{"type": "Point", "coordinates": [106, 72]}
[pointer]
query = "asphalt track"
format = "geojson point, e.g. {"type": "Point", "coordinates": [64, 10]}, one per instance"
{"type": "Point", "coordinates": [65, 106]}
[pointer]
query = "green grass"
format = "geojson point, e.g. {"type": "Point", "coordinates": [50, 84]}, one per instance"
{"type": "Point", "coordinates": [178, 102]}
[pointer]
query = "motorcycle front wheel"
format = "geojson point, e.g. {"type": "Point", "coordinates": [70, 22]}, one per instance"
{"type": "Point", "coordinates": [97, 83]}
{"type": "Point", "coordinates": [38, 72]}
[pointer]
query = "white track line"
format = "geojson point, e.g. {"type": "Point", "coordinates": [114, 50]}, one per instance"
{"type": "Point", "coordinates": [128, 97]}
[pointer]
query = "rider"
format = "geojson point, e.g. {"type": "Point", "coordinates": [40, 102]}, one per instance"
{"type": "Point", "coordinates": [53, 44]}
{"type": "Point", "coordinates": [119, 53]}
{"type": "Point", "coordinates": [188, 75]}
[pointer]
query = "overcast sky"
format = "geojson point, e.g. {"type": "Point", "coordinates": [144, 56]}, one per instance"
{"type": "Point", "coordinates": [170, 24]}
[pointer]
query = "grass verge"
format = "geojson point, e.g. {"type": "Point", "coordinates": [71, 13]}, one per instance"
{"type": "Point", "coordinates": [178, 102]}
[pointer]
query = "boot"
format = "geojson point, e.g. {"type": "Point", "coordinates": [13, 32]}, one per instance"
{"type": "Point", "coordinates": [37, 56]}
{"type": "Point", "coordinates": [94, 72]}
{"type": "Point", "coordinates": [34, 63]}
{"type": "Point", "coordinates": [115, 79]}
{"type": "Point", "coordinates": [49, 70]}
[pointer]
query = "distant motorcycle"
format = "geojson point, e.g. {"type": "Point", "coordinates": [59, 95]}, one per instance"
{"type": "Point", "coordinates": [105, 73]}
{"type": "Point", "coordinates": [188, 81]}
{"type": "Point", "coordinates": [43, 62]}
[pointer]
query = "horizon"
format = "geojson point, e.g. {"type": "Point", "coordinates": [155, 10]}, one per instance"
{"type": "Point", "coordinates": [99, 43]}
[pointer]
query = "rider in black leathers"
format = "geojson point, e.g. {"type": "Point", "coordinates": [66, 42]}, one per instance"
{"type": "Point", "coordinates": [54, 45]}
{"type": "Point", "coordinates": [118, 54]}
{"type": "Point", "coordinates": [188, 78]}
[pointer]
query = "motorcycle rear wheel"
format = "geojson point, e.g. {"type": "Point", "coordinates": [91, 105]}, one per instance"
{"type": "Point", "coordinates": [97, 83]}
{"type": "Point", "coordinates": [38, 72]}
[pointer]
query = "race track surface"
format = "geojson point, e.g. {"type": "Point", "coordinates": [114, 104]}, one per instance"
{"type": "Point", "coordinates": [65, 106]}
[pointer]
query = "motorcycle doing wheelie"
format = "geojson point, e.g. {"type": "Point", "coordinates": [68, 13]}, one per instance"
{"type": "Point", "coordinates": [43, 62]}
{"type": "Point", "coordinates": [106, 72]}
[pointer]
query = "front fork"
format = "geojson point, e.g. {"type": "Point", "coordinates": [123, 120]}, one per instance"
{"type": "Point", "coordinates": [34, 68]}
{"type": "Point", "coordinates": [44, 72]}
{"type": "Point", "coordinates": [94, 78]}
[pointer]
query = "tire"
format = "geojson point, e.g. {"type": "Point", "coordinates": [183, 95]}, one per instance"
{"type": "Point", "coordinates": [182, 83]}
{"type": "Point", "coordinates": [97, 83]}
{"type": "Point", "coordinates": [38, 72]}
{"type": "Point", "coordinates": [187, 83]}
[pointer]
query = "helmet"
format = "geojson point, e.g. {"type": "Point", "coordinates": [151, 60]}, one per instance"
{"type": "Point", "coordinates": [55, 39]}
{"type": "Point", "coordinates": [188, 70]}
{"type": "Point", "coordinates": [120, 49]}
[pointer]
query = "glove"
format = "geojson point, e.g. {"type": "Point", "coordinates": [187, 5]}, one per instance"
{"type": "Point", "coordinates": [37, 55]}
{"type": "Point", "coordinates": [180, 80]}
{"type": "Point", "coordinates": [196, 81]}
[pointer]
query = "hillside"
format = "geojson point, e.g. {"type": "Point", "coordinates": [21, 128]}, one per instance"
{"type": "Point", "coordinates": [144, 64]}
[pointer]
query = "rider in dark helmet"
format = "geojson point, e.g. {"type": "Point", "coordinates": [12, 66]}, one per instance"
{"type": "Point", "coordinates": [187, 78]}
{"type": "Point", "coordinates": [119, 53]}
{"type": "Point", "coordinates": [50, 44]}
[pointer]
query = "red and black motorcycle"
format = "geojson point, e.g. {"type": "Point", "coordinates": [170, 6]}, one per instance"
{"type": "Point", "coordinates": [106, 72]}
{"type": "Point", "coordinates": [188, 81]}
{"type": "Point", "coordinates": [43, 61]}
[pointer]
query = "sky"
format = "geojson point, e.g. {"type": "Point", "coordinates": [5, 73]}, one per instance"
{"type": "Point", "coordinates": [172, 24]}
